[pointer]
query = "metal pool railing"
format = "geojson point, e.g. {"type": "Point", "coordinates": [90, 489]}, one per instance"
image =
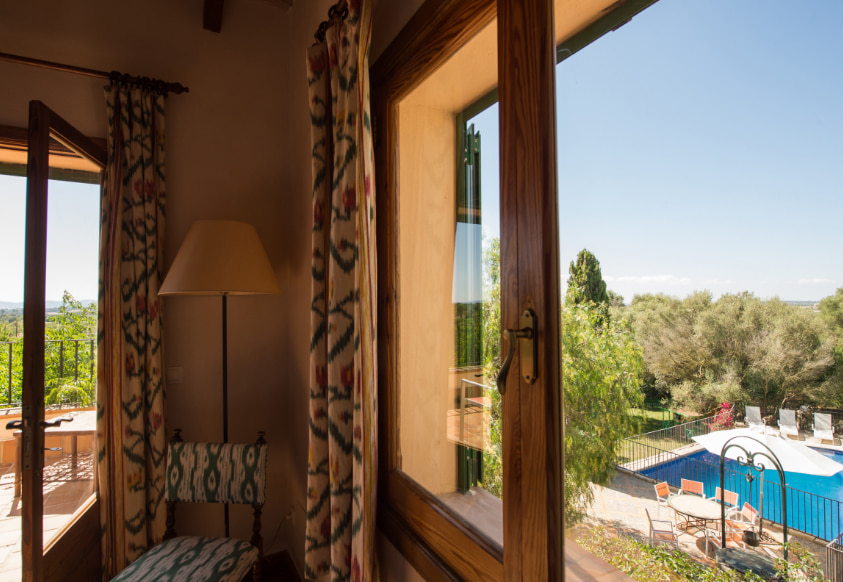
{"type": "Point", "coordinates": [666, 439]}
{"type": "Point", "coordinates": [806, 512]}
{"type": "Point", "coordinates": [834, 559]}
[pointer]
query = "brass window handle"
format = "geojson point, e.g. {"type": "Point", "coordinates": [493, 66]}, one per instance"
{"type": "Point", "coordinates": [529, 350]}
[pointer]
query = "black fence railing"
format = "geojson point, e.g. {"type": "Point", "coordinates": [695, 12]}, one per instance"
{"type": "Point", "coordinates": [806, 512]}
{"type": "Point", "coordinates": [70, 358]}
{"type": "Point", "coordinates": [666, 439]}
{"type": "Point", "coordinates": [834, 559]}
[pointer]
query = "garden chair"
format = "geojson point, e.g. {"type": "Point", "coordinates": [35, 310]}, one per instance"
{"type": "Point", "coordinates": [744, 519]}
{"type": "Point", "coordinates": [753, 418]}
{"type": "Point", "coordinates": [730, 498]}
{"type": "Point", "coordinates": [733, 535]}
{"type": "Point", "coordinates": [661, 531]}
{"type": "Point", "coordinates": [692, 487]}
{"type": "Point", "coordinates": [662, 493]}
{"type": "Point", "coordinates": [209, 473]}
{"type": "Point", "coordinates": [822, 427]}
{"type": "Point", "coordinates": [787, 423]}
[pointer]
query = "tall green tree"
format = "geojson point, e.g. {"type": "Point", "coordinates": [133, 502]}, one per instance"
{"type": "Point", "coordinates": [585, 282]}
{"type": "Point", "coordinates": [601, 379]}
{"type": "Point", "coordinates": [587, 287]}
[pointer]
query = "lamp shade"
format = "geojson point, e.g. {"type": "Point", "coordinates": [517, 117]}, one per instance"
{"type": "Point", "coordinates": [220, 257]}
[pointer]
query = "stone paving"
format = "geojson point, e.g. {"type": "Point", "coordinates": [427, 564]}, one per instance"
{"type": "Point", "coordinates": [620, 508]}
{"type": "Point", "coordinates": [65, 490]}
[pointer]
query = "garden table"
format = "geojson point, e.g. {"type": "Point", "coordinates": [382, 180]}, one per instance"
{"type": "Point", "coordinates": [695, 507]}
{"type": "Point", "coordinates": [84, 423]}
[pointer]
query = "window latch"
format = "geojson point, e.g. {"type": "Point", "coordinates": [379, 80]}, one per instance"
{"type": "Point", "coordinates": [528, 354]}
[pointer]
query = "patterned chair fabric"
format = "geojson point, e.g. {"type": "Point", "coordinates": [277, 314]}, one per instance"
{"type": "Point", "coordinates": [193, 559]}
{"type": "Point", "coordinates": [216, 473]}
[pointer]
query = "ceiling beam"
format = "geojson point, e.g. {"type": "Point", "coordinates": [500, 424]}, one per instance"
{"type": "Point", "coordinates": [212, 17]}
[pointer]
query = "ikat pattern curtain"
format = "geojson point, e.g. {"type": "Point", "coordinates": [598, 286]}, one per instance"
{"type": "Point", "coordinates": [130, 391]}
{"type": "Point", "coordinates": [342, 465]}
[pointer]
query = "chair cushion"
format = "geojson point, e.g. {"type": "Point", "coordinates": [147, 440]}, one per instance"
{"type": "Point", "coordinates": [193, 559]}
{"type": "Point", "coordinates": [216, 473]}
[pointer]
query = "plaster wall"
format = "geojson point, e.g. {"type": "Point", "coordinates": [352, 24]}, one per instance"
{"type": "Point", "coordinates": [238, 148]}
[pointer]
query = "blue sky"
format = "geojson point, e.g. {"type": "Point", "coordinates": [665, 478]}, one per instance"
{"type": "Point", "coordinates": [72, 239]}
{"type": "Point", "coordinates": [701, 147]}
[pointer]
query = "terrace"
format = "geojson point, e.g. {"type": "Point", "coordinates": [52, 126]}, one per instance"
{"type": "Point", "coordinates": [671, 454]}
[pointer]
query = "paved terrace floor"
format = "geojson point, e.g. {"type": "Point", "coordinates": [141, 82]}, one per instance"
{"type": "Point", "coordinates": [65, 490]}
{"type": "Point", "coordinates": [620, 509]}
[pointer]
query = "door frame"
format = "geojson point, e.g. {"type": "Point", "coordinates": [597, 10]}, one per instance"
{"type": "Point", "coordinates": [44, 125]}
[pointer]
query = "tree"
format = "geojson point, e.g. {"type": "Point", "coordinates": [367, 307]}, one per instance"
{"type": "Point", "coordinates": [586, 282]}
{"type": "Point", "coordinates": [69, 365]}
{"type": "Point", "coordinates": [586, 285]}
{"type": "Point", "coordinates": [736, 349]}
{"type": "Point", "coordinates": [601, 377]}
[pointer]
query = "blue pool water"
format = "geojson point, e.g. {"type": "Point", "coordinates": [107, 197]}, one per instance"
{"type": "Point", "coordinates": [814, 504]}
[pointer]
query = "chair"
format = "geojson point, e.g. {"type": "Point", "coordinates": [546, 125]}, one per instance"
{"type": "Point", "coordinates": [210, 473]}
{"type": "Point", "coordinates": [661, 531]}
{"type": "Point", "coordinates": [733, 535]}
{"type": "Point", "coordinates": [753, 417]}
{"type": "Point", "coordinates": [787, 423]}
{"type": "Point", "coordinates": [662, 493]}
{"type": "Point", "coordinates": [729, 498]}
{"type": "Point", "coordinates": [692, 487]}
{"type": "Point", "coordinates": [822, 427]}
{"type": "Point", "coordinates": [744, 519]}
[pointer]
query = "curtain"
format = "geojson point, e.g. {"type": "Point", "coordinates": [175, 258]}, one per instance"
{"type": "Point", "coordinates": [131, 440]}
{"type": "Point", "coordinates": [342, 463]}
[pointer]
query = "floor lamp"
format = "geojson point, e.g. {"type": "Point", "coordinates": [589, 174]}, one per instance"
{"type": "Point", "coordinates": [221, 257]}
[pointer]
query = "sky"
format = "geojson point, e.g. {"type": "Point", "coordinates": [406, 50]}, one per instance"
{"type": "Point", "coordinates": [72, 239]}
{"type": "Point", "coordinates": [700, 146]}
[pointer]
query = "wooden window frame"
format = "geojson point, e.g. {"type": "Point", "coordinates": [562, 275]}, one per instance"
{"type": "Point", "coordinates": [438, 544]}
{"type": "Point", "coordinates": [415, 520]}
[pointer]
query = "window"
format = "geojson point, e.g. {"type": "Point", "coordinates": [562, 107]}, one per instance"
{"type": "Point", "coordinates": [435, 227]}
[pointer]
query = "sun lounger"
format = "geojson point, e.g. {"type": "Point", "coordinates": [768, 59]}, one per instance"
{"type": "Point", "coordinates": [822, 427]}
{"type": "Point", "coordinates": [787, 422]}
{"type": "Point", "coordinates": [753, 417]}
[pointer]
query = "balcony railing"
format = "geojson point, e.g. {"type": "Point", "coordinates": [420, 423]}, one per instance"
{"type": "Point", "coordinates": [71, 359]}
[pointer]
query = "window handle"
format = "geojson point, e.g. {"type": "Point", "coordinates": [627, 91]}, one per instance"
{"type": "Point", "coordinates": [529, 350]}
{"type": "Point", "coordinates": [56, 422]}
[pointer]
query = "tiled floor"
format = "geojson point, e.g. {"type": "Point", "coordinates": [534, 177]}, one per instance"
{"type": "Point", "coordinates": [65, 490]}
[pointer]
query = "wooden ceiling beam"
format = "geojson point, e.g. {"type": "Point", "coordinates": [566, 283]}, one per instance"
{"type": "Point", "coordinates": [212, 16]}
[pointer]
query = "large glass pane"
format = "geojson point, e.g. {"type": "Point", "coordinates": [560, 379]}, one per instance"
{"type": "Point", "coordinates": [70, 349]}
{"type": "Point", "coordinates": [699, 179]}
{"type": "Point", "coordinates": [449, 224]}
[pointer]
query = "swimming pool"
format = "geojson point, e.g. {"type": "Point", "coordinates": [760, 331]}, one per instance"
{"type": "Point", "coordinates": [814, 504]}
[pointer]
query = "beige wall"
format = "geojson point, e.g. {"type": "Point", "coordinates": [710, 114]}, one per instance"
{"type": "Point", "coordinates": [237, 147]}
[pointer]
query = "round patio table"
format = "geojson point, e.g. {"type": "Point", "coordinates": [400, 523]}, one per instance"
{"type": "Point", "coordinates": [695, 507]}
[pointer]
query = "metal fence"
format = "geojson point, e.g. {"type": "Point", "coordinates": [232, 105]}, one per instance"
{"type": "Point", "coordinates": [806, 512]}
{"type": "Point", "coordinates": [69, 354]}
{"type": "Point", "coordinates": [666, 439]}
{"type": "Point", "coordinates": [834, 559]}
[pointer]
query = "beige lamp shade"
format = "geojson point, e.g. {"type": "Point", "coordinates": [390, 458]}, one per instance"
{"type": "Point", "coordinates": [221, 257]}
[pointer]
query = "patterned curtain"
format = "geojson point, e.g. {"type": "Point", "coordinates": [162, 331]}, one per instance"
{"type": "Point", "coordinates": [130, 391]}
{"type": "Point", "coordinates": [342, 466]}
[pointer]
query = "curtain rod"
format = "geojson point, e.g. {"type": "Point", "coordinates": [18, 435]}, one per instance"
{"type": "Point", "coordinates": [336, 12]}
{"type": "Point", "coordinates": [160, 86]}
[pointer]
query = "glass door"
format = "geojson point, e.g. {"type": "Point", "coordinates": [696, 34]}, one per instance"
{"type": "Point", "coordinates": [72, 545]}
